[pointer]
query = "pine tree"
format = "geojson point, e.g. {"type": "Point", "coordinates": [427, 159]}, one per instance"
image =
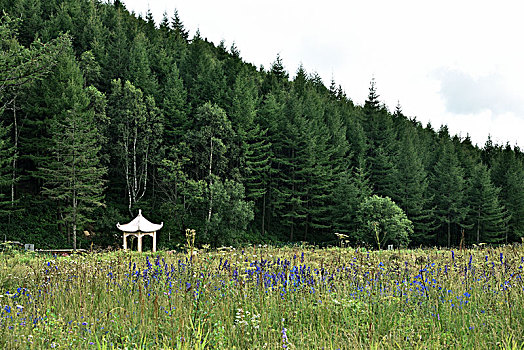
{"type": "Point", "coordinates": [508, 174]}
{"type": "Point", "coordinates": [514, 201]}
{"type": "Point", "coordinates": [116, 64]}
{"type": "Point", "coordinates": [139, 67]}
{"type": "Point", "coordinates": [150, 27]}
{"type": "Point", "coordinates": [357, 140]}
{"type": "Point", "coordinates": [291, 158]}
{"type": "Point", "coordinates": [258, 171]}
{"type": "Point", "coordinates": [31, 13]}
{"type": "Point", "coordinates": [277, 77]}
{"type": "Point", "coordinates": [244, 102]}
{"type": "Point", "coordinates": [174, 107]}
{"type": "Point", "coordinates": [411, 188]}
{"type": "Point", "coordinates": [488, 152]}
{"type": "Point", "coordinates": [372, 103]}
{"type": "Point", "coordinates": [203, 74]}
{"type": "Point", "coordinates": [242, 115]}
{"type": "Point", "coordinates": [447, 186]}
{"type": "Point", "coordinates": [178, 27]}
{"type": "Point", "coordinates": [21, 66]}
{"type": "Point", "coordinates": [352, 188]}
{"type": "Point", "coordinates": [381, 149]}
{"type": "Point", "coordinates": [6, 179]}
{"type": "Point", "coordinates": [92, 35]}
{"type": "Point", "coordinates": [252, 148]}
{"type": "Point", "coordinates": [324, 162]}
{"type": "Point", "coordinates": [269, 117]}
{"type": "Point", "coordinates": [164, 26]}
{"type": "Point", "coordinates": [486, 215]}
{"type": "Point", "coordinates": [90, 68]}
{"type": "Point", "coordinates": [73, 176]}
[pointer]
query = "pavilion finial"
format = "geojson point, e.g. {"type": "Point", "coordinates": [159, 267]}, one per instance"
{"type": "Point", "coordinates": [139, 211]}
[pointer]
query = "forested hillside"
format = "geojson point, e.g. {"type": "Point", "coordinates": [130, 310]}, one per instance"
{"type": "Point", "coordinates": [104, 112]}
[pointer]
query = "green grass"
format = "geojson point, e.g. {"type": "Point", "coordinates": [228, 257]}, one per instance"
{"type": "Point", "coordinates": [336, 298]}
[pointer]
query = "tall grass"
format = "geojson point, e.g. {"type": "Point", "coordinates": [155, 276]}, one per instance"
{"type": "Point", "coordinates": [264, 298]}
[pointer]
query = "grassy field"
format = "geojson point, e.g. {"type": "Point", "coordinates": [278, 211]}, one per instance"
{"type": "Point", "coordinates": [264, 298]}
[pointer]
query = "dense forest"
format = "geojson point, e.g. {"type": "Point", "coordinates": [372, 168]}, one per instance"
{"type": "Point", "coordinates": [104, 112]}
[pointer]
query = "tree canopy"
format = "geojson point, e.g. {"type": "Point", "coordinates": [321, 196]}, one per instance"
{"type": "Point", "coordinates": [103, 112]}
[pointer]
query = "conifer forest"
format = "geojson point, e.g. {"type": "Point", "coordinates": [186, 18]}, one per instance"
{"type": "Point", "coordinates": [103, 113]}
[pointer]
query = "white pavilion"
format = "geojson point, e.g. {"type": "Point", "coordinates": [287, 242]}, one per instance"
{"type": "Point", "coordinates": [140, 227]}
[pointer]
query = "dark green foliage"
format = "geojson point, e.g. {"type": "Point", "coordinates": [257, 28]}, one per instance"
{"type": "Point", "coordinates": [447, 185]}
{"type": "Point", "coordinates": [203, 74]}
{"type": "Point", "coordinates": [231, 213]}
{"type": "Point", "coordinates": [201, 139]}
{"type": "Point", "coordinates": [139, 67]}
{"type": "Point", "coordinates": [210, 138]}
{"type": "Point", "coordinates": [73, 176]}
{"type": "Point", "coordinates": [411, 188]}
{"type": "Point", "coordinates": [137, 132]}
{"type": "Point", "coordinates": [382, 222]}
{"type": "Point", "coordinates": [174, 107]}
{"type": "Point", "coordinates": [21, 65]}
{"type": "Point", "coordinates": [6, 178]}
{"type": "Point", "coordinates": [487, 215]}
{"type": "Point", "coordinates": [178, 27]}
{"type": "Point", "coordinates": [508, 174]}
{"type": "Point", "coordinates": [381, 148]}
{"type": "Point", "coordinates": [352, 188]}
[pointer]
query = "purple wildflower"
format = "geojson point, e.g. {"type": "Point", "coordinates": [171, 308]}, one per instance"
{"type": "Point", "coordinates": [284, 338]}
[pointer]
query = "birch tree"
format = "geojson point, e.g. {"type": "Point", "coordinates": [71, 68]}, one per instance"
{"type": "Point", "coordinates": [210, 141]}
{"type": "Point", "coordinates": [137, 128]}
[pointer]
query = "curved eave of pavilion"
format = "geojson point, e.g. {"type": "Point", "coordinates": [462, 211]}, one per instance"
{"type": "Point", "coordinates": [139, 224]}
{"type": "Point", "coordinates": [134, 229]}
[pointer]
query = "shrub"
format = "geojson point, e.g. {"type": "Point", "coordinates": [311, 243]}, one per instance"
{"type": "Point", "coordinates": [382, 222]}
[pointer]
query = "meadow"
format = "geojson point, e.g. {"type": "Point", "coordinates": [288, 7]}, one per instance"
{"type": "Point", "coordinates": [264, 298]}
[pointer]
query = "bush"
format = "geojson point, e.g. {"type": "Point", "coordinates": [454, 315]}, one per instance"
{"type": "Point", "coordinates": [383, 222]}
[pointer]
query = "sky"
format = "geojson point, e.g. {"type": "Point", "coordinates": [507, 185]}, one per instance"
{"type": "Point", "coordinates": [453, 62]}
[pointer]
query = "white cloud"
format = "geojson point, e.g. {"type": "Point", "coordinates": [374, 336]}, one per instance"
{"type": "Point", "coordinates": [465, 94]}
{"type": "Point", "coordinates": [473, 44]}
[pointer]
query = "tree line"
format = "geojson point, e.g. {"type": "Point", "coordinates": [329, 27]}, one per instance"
{"type": "Point", "coordinates": [104, 112]}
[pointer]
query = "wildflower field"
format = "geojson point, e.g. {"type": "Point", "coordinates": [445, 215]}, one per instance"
{"type": "Point", "coordinates": [264, 298]}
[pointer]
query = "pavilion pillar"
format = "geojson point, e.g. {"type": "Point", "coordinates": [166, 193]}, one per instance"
{"type": "Point", "coordinates": [140, 243]}
{"type": "Point", "coordinates": [154, 242]}
{"type": "Point", "coordinates": [125, 241]}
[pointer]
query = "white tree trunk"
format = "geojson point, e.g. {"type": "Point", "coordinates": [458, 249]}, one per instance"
{"type": "Point", "coordinates": [210, 183]}
{"type": "Point", "coordinates": [73, 179]}
{"type": "Point", "coordinates": [15, 156]}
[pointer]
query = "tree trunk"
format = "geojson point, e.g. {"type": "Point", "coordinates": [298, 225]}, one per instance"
{"type": "Point", "coordinates": [291, 233]}
{"type": "Point", "coordinates": [449, 233]}
{"type": "Point", "coordinates": [135, 180]}
{"type": "Point", "coordinates": [68, 229]}
{"type": "Point", "coordinates": [74, 235]}
{"type": "Point", "coordinates": [263, 213]}
{"type": "Point", "coordinates": [306, 229]}
{"type": "Point", "coordinates": [210, 183]}
{"type": "Point", "coordinates": [15, 156]}
{"type": "Point", "coordinates": [292, 194]}
{"type": "Point", "coordinates": [74, 188]}
{"type": "Point", "coordinates": [478, 227]}
{"type": "Point", "coordinates": [129, 194]}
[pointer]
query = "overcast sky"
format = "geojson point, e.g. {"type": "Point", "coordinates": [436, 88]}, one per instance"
{"type": "Point", "coordinates": [453, 62]}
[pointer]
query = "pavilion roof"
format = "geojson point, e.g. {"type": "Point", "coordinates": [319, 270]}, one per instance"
{"type": "Point", "coordinates": [140, 224]}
